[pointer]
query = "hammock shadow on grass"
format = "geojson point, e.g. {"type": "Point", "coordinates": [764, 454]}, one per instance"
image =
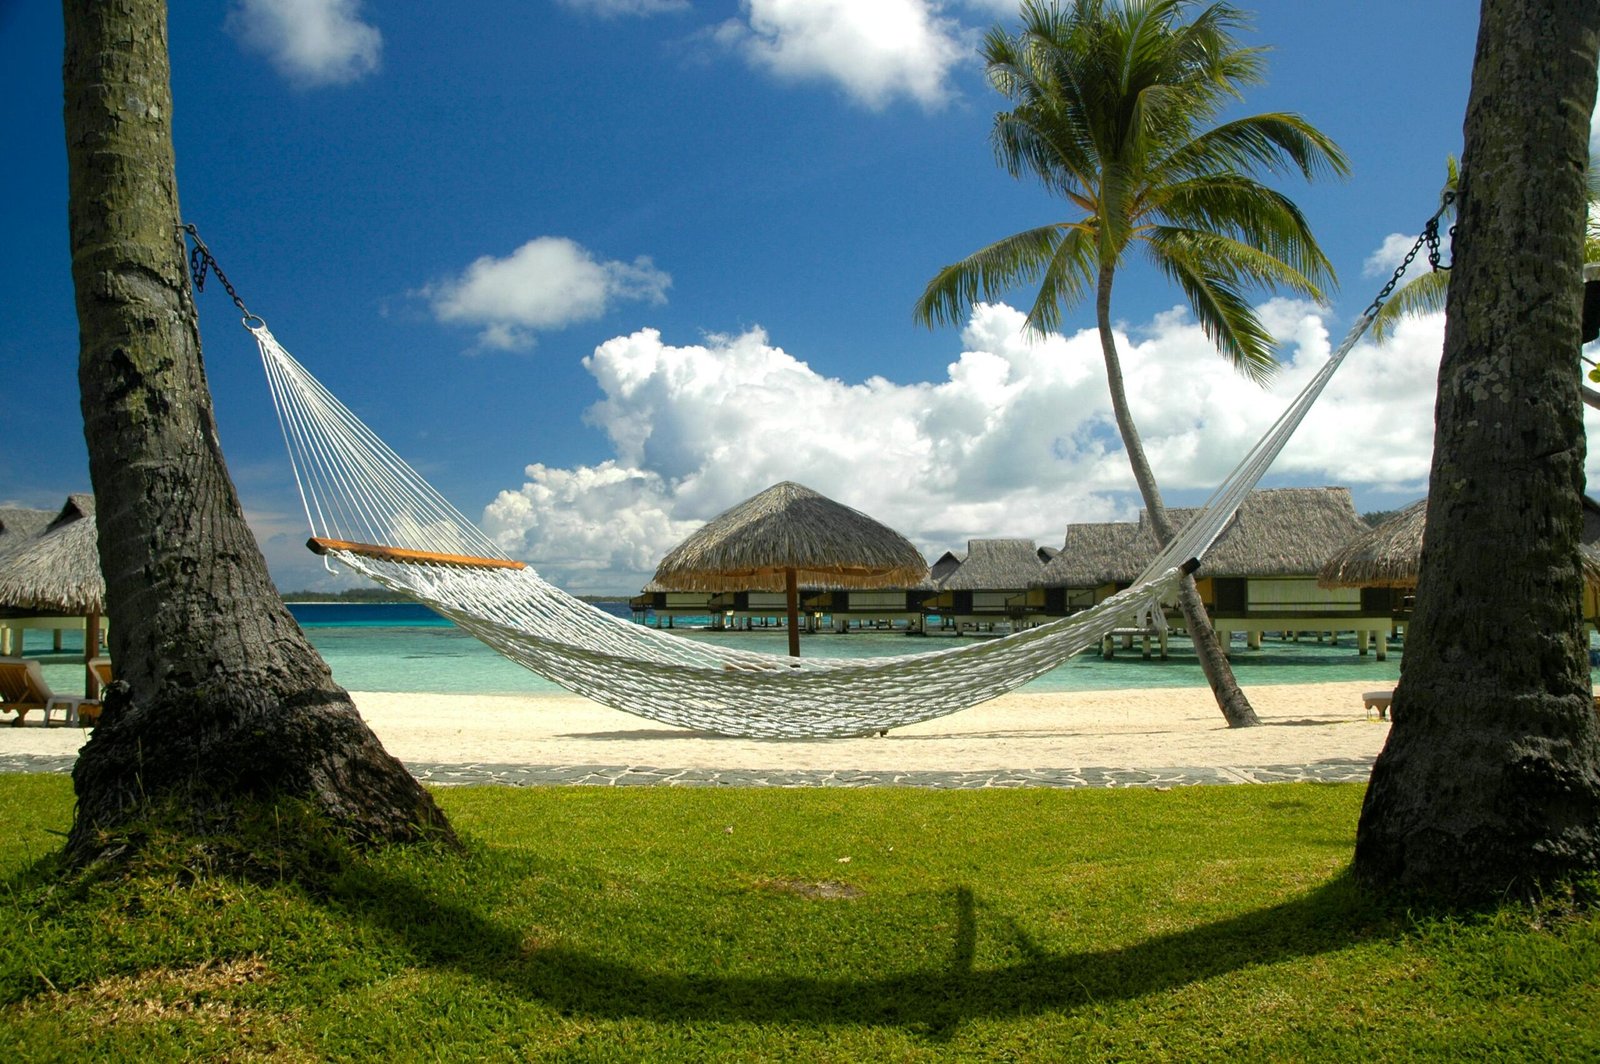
{"type": "Point", "coordinates": [932, 1002]}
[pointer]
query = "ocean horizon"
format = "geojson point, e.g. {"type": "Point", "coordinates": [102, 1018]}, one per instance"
{"type": "Point", "coordinates": [404, 647]}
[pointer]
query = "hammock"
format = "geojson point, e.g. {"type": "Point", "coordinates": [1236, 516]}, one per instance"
{"type": "Point", "coordinates": [373, 513]}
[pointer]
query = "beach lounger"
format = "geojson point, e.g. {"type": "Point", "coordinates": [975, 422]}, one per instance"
{"type": "Point", "coordinates": [23, 689]}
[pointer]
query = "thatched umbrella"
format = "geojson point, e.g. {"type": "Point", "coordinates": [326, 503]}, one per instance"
{"type": "Point", "coordinates": [57, 572]}
{"type": "Point", "coordinates": [1391, 554]}
{"type": "Point", "coordinates": [786, 536]}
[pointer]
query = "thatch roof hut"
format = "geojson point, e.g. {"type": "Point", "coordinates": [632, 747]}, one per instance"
{"type": "Point", "coordinates": [1284, 532]}
{"type": "Point", "coordinates": [1277, 532]}
{"type": "Point", "coordinates": [786, 536]}
{"type": "Point", "coordinates": [19, 525]}
{"type": "Point", "coordinates": [947, 564]}
{"type": "Point", "coordinates": [57, 571]}
{"type": "Point", "coordinates": [1099, 553]}
{"type": "Point", "coordinates": [995, 565]}
{"type": "Point", "coordinates": [1390, 554]}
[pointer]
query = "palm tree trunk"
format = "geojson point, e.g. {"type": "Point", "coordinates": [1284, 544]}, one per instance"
{"type": "Point", "coordinates": [1236, 708]}
{"type": "Point", "coordinates": [1489, 783]}
{"type": "Point", "coordinates": [220, 702]}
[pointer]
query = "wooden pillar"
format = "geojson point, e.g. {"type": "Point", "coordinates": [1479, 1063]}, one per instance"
{"type": "Point", "coordinates": [791, 590]}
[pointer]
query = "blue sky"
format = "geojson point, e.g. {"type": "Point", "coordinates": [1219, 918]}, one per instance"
{"type": "Point", "coordinates": [603, 268]}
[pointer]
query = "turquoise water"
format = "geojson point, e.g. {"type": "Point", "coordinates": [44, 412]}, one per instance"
{"type": "Point", "coordinates": [403, 647]}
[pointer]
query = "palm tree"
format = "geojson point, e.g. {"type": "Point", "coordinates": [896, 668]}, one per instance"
{"type": "Point", "coordinates": [1115, 108]}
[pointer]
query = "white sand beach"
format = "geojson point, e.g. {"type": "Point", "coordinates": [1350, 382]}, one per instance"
{"type": "Point", "coordinates": [1131, 729]}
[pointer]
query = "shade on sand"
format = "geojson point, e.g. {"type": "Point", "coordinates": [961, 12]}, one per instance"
{"type": "Point", "coordinates": [786, 536]}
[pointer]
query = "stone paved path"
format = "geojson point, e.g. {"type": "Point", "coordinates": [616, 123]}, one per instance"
{"type": "Point", "coordinates": [1333, 770]}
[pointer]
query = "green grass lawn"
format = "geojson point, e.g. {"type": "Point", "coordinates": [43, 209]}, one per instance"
{"type": "Point", "coordinates": [1204, 923]}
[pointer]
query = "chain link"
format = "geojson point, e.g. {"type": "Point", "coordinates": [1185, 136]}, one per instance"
{"type": "Point", "coordinates": [1430, 237]}
{"type": "Point", "coordinates": [200, 260]}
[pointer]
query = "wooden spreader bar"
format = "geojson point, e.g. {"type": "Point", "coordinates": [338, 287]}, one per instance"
{"type": "Point", "coordinates": [319, 545]}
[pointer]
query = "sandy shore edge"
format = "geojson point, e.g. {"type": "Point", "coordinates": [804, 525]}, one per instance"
{"type": "Point", "coordinates": [1133, 729]}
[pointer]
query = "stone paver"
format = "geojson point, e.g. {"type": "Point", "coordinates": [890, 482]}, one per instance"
{"type": "Point", "coordinates": [1333, 770]}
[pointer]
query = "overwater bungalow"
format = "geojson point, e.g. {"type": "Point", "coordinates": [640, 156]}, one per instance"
{"type": "Point", "coordinates": [871, 608]}
{"type": "Point", "coordinates": [656, 605]}
{"type": "Point", "coordinates": [989, 587]}
{"type": "Point", "coordinates": [1381, 564]}
{"type": "Point", "coordinates": [1260, 575]}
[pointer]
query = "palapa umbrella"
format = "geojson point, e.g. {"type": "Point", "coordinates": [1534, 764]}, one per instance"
{"type": "Point", "coordinates": [786, 536]}
{"type": "Point", "coordinates": [58, 572]}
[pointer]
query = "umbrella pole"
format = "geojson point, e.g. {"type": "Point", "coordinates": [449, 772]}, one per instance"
{"type": "Point", "coordinates": [791, 587]}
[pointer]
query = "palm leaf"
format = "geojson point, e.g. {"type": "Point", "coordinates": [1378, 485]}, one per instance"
{"type": "Point", "coordinates": [986, 274]}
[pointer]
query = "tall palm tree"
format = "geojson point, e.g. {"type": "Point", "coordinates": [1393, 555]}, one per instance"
{"type": "Point", "coordinates": [1115, 109]}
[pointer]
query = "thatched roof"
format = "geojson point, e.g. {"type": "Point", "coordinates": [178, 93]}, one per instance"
{"type": "Point", "coordinates": [1390, 554]}
{"type": "Point", "coordinates": [1277, 532]}
{"type": "Point", "coordinates": [1284, 532]}
{"type": "Point", "coordinates": [995, 565]}
{"type": "Point", "coordinates": [947, 564]}
{"type": "Point", "coordinates": [789, 526]}
{"type": "Point", "coordinates": [1107, 552]}
{"type": "Point", "coordinates": [58, 570]}
{"type": "Point", "coordinates": [1046, 553]}
{"type": "Point", "coordinates": [18, 526]}
{"type": "Point", "coordinates": [1385, 556]}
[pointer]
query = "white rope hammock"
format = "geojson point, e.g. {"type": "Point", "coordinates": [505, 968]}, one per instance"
{"type": "Point", "coordinates": [373, 513]}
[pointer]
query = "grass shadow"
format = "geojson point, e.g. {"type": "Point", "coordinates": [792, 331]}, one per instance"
{"type": "Point", "coordinates": [932, 1002]}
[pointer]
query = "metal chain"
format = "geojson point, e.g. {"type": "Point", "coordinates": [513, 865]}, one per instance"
{"type": "Point", "coordinates": [1431, 233]}
{"type": "Point", "coordinates": [1430, 237]}
{"type": "Point", "coordinates": [200, 260]}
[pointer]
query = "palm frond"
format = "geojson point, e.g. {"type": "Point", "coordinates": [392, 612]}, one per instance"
{"type": "Point", "coordinates": [1242, 208]}
{"type": "Point", "coordinates": [1237, 262]}
{"type": "Point", "coordinates": [1225, 316]}
{"type": "Point", "coordinates": [1423, 294]}
{"type": "Point", "coordinates": [986, 274]}
{"type": "Point", "coordinates": [1272, 141]}
{"type": "Point", "coordinates": [1068, 277]}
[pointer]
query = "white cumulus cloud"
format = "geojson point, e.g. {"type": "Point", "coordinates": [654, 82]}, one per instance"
{"type": "Point", "coordinates": [1014, 439]}
{"type": "Point", "coordinates": [310, 42]}
{"type": "Point", "coordinates": [876, 50]}
{"type": "Point", "coordinates": [548, 283]}
{"type": "Point", "coordinates": [1388, 255]}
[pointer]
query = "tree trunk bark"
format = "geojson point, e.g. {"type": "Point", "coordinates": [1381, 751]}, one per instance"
{"type": "Point", "coordinates": [220, 701]}
{"type": "Point", "coordinates": [1236, 708]}
{"type": "Point", "coordinates": [1490, 781]}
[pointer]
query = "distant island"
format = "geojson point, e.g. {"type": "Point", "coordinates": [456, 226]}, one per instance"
{"type": "Point", "coordinates": [381, 594]}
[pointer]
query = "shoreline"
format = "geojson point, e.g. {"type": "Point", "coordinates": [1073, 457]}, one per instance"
{"type": "Point", "coordinates": [1145, 730]}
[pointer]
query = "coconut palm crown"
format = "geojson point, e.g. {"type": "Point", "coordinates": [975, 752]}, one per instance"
{"type": "Point", "coordinates": [1114, 110]}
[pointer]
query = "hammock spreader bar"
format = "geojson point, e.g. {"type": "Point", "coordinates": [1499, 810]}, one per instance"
{"type": "Point", "coordinates": [322, 546]}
